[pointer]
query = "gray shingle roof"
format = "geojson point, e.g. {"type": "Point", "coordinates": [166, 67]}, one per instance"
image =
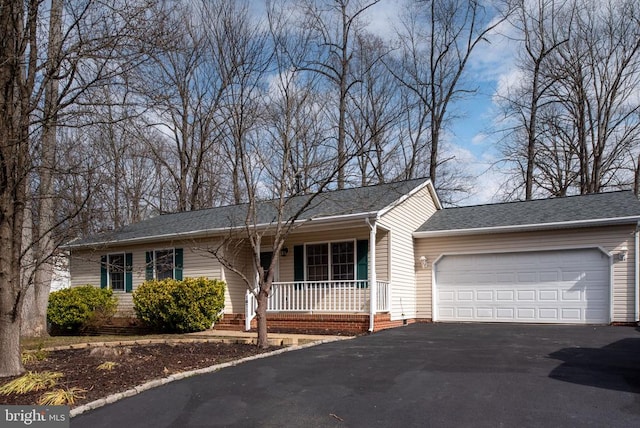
{"type": "Point", "coordinates": [345, 202]}
{"type": "Point", "coordinates": [620, 206]}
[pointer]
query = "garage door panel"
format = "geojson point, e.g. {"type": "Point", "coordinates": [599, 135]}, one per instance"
{"type": "Point", "coordinates": [571, 295]}
{"type": "Point", "coordinates": [526, 295]}
{"type": "Point", "coordinates": [446, 296]}
{"type": "Point", "coordinates": [464, 312]}
{"type": "Point", "coordinates": [548, 314]}
{"type": "Point", "coordinates": [484, 295]}
{"type": "Point", "coordinates": [548, 295]}
{"type": "Point", "coordinates": [526, 314]}
{"type": "Point", "coordinates": [572, 314]}
{"type": "Point", "coordinates": [505, 295]}
{"type": "Point", "coordinates": [465, 296]}
{"type": "Point", "coordinates": [569, 286]}
{"type": "Point", "coordinates": [505, 313]}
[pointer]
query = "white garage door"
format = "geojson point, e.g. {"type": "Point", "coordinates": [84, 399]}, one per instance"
{"type": "Point", "coordinates": [568, 286]}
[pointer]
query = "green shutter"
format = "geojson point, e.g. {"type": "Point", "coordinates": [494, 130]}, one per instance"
{"type": "Point", "coordinates": [362, 256]}
{"type": "Point", "coordinates": [103, 272]}
{"type": "Point", "coordinates": [177, 270]}
{"type": "Point", "coordinates": [128, 272]}
{"type": "Point", "coordinates": [298, 263]}
{"type": "Point", "coordinates": [148, 273]}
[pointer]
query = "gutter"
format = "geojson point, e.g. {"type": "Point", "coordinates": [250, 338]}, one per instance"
{"type": "Point", "coordinates": [527, 227]}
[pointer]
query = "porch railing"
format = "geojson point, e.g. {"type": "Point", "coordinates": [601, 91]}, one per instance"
{"type": "Point", "coordinates": [321, 296]}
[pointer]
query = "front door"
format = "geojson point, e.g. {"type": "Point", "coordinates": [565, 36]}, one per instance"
{"type": "Point", "coordinates": [265, 261]}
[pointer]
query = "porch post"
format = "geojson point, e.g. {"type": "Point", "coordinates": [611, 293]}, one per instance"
{"type": "Point", "coordinates": [249, 310]}
{"type": "Point", "coordinates": [373, 283]}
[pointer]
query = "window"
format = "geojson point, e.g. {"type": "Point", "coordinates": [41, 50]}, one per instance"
{"type": "Point", "coordinates": [342, 261]}
{"type": "Point", "coordinates": [115, 271]}
{"type": "Point", "coordinates": [164, 264]}
{"type": "Point", "coordinates": [341, 267]}
{"type": "Point", "coordinates": [317, 262]}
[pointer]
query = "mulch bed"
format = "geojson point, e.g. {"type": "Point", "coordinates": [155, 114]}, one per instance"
{"type": "Point", "coordinates": [136, 365]}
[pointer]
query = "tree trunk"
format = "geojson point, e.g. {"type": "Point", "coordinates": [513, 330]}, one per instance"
{"type": "Point", "coordinates": [10, 363]}
{"type": "Point", "coordinates": [34, 311]}
{"type": "Point", "coordinates": [261, 317]}
{"type": "Point", "coordinates": [16, 83]}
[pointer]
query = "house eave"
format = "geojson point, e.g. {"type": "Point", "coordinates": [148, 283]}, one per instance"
{"type": "Point", "coordinates": [208, 233]}
{"type": "Point", "coordinates": [633, 220]}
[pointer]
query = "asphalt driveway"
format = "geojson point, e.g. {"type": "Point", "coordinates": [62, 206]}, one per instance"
{"type": "Point", "coordinates": [441, 375]}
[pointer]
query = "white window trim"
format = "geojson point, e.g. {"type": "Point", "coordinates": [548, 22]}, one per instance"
{"type": "Point", "coordinates": [124, 272]}
{"type": "Point", "coordinates": [173, 261]}
{"type": "Point", "coordinates": [329, 254]}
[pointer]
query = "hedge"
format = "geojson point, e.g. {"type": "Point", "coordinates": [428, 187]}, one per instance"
{"type": "Point", "coordinates": [71, 310]}
{"type": "Point", "coordinates": [185, 306]}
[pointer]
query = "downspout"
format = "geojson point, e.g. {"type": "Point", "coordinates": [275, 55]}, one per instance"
{"type": "Point", "coordinates": [373, 283]}
{"type": "Point", "coordinates": [636, 270]}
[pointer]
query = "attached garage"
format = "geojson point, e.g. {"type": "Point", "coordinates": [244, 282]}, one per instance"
{"type": "Point", "coordinates": [569, 260]}
{"type": "Point", "coordinates": [563, 286]}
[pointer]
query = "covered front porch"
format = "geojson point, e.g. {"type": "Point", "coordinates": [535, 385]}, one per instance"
{"type": "Point", "coordinates": [327, 278]}
{"type": "Point", "coordinates": [356, 297]}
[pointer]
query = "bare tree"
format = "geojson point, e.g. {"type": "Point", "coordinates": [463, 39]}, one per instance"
{"type": "Point", "coordinates": [438, 39]}
{"type": "Point", "coordinates": [44, 69]}
{"type": "Point", "coordinates": [538, 28]}
{"type": "Point", "coordinates": [332, 27]}
{"type": "Point", "coordinates": [374, 112]}
{"type": "Point", "coordinates": [580, 117]}
{"type": "Point", "coordinates": [600, 69]}
{"type": "Point", "coordinates": [184, 86]}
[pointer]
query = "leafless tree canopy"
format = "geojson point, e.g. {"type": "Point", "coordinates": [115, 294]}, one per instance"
{"type": "Point", "coordinates": [573, 119]}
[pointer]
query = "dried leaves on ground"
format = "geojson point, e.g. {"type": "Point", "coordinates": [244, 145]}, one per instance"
{"type": "Point", "coordinates": [133, 366]}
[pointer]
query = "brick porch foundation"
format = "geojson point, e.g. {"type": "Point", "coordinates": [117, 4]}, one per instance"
{"type": "Point", "coordinates": [315, 323]}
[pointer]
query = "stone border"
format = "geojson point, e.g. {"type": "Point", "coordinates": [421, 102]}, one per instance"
{"type": "Point", "coordinates": [142, 342]}
{"type": "Point", "coordinates": [182, 375]}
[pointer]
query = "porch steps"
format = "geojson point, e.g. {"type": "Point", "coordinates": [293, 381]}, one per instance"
{"type": "Point", "coordinates": [230, 322]}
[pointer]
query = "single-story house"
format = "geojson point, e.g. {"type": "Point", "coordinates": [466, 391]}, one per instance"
{"type": "Point", "coordinates": [379, 256]}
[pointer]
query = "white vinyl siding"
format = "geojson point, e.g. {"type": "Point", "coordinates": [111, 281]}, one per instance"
{"type": "Point", "coordinates": [85, 269]}
{"type": "Point", "coordinates": [610, 238]}
{"type": "Point", "coordinates": [402, 221]}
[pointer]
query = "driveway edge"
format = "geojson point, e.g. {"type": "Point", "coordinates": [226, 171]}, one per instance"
{"type": "Point", "coordinates": [182, 375]}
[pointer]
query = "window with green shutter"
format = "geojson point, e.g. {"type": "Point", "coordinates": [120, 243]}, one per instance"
{"type": "Point", "coordinates": [116, 272]}
{"type": "Point", "coordinates": [334, 261]}
{"type": "Point", "coordinates": [164, 264]}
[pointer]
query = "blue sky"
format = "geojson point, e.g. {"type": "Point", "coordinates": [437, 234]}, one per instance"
{"type": "Point", "coordinates": [471, 136]}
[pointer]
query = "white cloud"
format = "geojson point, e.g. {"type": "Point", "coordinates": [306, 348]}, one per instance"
{"type": "Point", "coordinates": [483, 168]}
{"type": "Point", "coordinates": [381, 18]}
{"type": "Point", "coordinates": [479, 139]}
{"type": "Point", "coordinates": [494, 57]}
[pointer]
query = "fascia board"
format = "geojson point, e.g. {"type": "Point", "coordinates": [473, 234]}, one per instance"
{"type": "Point", "coordinates": [528, 227]}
